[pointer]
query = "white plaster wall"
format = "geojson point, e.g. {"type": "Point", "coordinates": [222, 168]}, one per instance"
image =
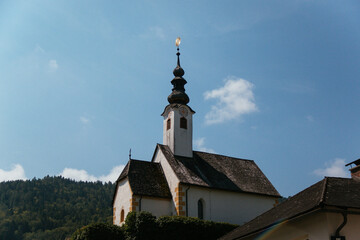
{"type": "Point", "coordinates": [157, 206]}
{"type": "Point", "coordinates": [122, 199]}
{"type": "Point", "coordinates": [178, 139]}
{"type": "Point", "coordinates": [183, 137]}
{"type": "Point", "coordinates": [298, 229]}
{"type": "Point", "coordinates": [170, 176]}
{"type": "Point", "coordinates": [352, 228]}
{"type": "Point", "coordinates": [316, 226]}
{"type": "Point", "coordinates": [224, 206]}
{"type": "Point", "coordinates": [168, 135]}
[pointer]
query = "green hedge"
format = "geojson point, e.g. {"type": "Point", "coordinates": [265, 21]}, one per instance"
{"type": "Point", "coordinates": [177, 227]}
{"type": "Point", "coordinates": [99, 231]}
{"type": "Point", "coordinates": [145, 226]}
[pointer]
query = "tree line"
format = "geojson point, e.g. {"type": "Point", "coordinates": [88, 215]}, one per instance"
{"type": "Point", "coordinates": [52, 207]}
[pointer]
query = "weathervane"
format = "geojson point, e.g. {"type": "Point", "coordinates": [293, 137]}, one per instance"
{"type": "Point", "coordinates": [177, 43]}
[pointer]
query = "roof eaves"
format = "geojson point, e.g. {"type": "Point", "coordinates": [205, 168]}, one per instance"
{"type": "Point", "coordinates": [309, 211]}
{"type": "Point", "coordinates": [278, 194]}
{"type": "Point", "coordinates": [229, 190]}
{"type": "Point", "coordinates": [176, 105]}
{"type": "Point", "coordinates": [152, 196]}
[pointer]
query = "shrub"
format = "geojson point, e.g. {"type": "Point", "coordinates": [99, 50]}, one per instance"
{"type": "Point", "coordinates": [177, 227]}
{"type": "Point", "coordinates": [99, 231]}
{"type": "Point", "coordinates": [145, 226]}
{"type": "Point", "coordinates": [140, 226]}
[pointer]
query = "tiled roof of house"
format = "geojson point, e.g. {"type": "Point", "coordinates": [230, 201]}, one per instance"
{"type": "Point", "coordinates": [219, 172]}
{"type": "Point", "coordinates": [330, 192]}
{"type": "Point", "coordinates": [145, 179]}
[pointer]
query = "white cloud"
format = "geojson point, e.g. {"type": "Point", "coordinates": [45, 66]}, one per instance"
{"type": "Point", "coordinates": [154, 32]}
{"type": "Point", "coordinates": [53, 66]}
{"type": "Point", "coordinates": [39, 49]}
{"type": "Point", "coordinates": [335, 168]}
{"type": "Point", "coordinates": [200, 145]}
{"type": "Point", "coordinates": [84, 120]}
{"type": "Point", "coordinates": [310, 118]}
{"type": "Point", "coordinates": [113, 175]}
{"type": "Point", "coordinates": [78, 175]}
{"type": "Point", "coordinates": [157, 32]}
{"type": "Point", "coordinates": [16, 173]}
{"type": "Point", "coordinates": [234, 99]}
{"type": "Point", "coordinates": [82, 175]}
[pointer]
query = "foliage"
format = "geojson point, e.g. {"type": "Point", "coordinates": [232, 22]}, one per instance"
{"type": "Point", "coordinates": [140, 226]}
{"type": "Point", "coordinates": [143, 225]}
{"type": "Point", "coordinates": [178, 227]}
{"type": "Point", "coordinates": [97, 231]}
{"type": "Point", "coordinates": [52, 207]}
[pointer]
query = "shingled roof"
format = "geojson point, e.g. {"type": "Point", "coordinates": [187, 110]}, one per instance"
{"type": "Point", "coordinates": [219, 172]}
{"type": "Point", "coordinates": [145, 179]}
{"type": "Point", "coordinates": [330, 192]}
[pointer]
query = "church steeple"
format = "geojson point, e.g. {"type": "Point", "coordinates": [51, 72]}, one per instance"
{"type": "Point", "coordinates": [177, 133]}
{"type": "Point", "coordinates": [178, 94]}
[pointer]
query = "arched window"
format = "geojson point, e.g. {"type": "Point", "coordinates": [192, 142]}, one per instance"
{"type": "Point", "coordinates": [183, 123]}
{"type": "Point", "coordinates": [200, 209]}
{"type": "Point", "coordinates": [122, 215]}
{"type": "Point", "coordinates": [168, 124]}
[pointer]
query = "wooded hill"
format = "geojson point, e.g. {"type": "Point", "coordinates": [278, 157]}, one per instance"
{"type": "Point", "coordinates": [52, 207]}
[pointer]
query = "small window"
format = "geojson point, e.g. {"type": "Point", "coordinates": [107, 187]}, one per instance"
{"type": "Point", "coordinates": [183, 123]}
{"type": "Point", "coordinates": [200, 209]}
{"type": "Point", "coordinates": [122, 215]}
{"type": "Point", "coordinates": [168, 124]}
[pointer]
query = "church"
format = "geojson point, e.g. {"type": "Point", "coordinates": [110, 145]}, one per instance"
{"type": "Point", "coordinates": [181, 181]}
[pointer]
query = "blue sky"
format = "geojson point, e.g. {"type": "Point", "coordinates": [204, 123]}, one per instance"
{"type": "Point", "coordinates": [82, 82]}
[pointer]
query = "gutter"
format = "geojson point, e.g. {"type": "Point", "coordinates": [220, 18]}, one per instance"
{"type": "Point", "coordinates": [337, 233]}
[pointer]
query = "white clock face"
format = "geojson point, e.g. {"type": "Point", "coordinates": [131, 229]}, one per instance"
{"type": "Point", "coordinates": [183, 111]}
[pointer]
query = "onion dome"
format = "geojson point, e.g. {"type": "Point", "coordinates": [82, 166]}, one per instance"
{"type": "Point", "coordinates": [178, 94]}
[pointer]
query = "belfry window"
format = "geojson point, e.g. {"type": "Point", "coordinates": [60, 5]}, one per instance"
{"type": "Point", "coordinates": [168, 124]}
{"type": "Point", "coordinates": [200, 209]}
{"type": "Point", "coordinates": [183, 123]}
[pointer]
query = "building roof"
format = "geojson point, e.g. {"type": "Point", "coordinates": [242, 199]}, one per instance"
{"type": "Point", "coordinates": [219, 172]}
{"type": "Point", "coordinates": [330, 192]}
{"type": "Point", "coordinates": [145, 179]}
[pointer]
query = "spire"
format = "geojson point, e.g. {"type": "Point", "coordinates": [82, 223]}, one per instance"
{"type": "Point", "coordinates": [178, 94]}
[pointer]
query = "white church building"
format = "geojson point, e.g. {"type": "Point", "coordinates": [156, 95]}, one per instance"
{"type": "Point", "coordinates": [181, 181]}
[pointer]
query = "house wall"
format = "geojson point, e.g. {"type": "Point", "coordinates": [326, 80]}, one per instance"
{"type": "Point", "coordinates": [157, 206]}
{"type": "Point", "coordinates": [170, 176]}
{"type": "Point", "coordinates": [316, 226]}
{"type": "Point", "coordinates": [352, 228]}
{"type": "Point", "coordinates": [225, 206]}
{"type": "Point", "coordinates": [123, 200]}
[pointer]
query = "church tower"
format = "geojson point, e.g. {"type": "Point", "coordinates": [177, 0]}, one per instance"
{"type": "Point", "coordinates": [177, 130]}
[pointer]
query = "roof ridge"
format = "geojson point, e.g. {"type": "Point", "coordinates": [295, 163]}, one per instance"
{"type": "Point", "coordinates": [323, 190]}
{"type": "Point", "coordinates": [237, 158]}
